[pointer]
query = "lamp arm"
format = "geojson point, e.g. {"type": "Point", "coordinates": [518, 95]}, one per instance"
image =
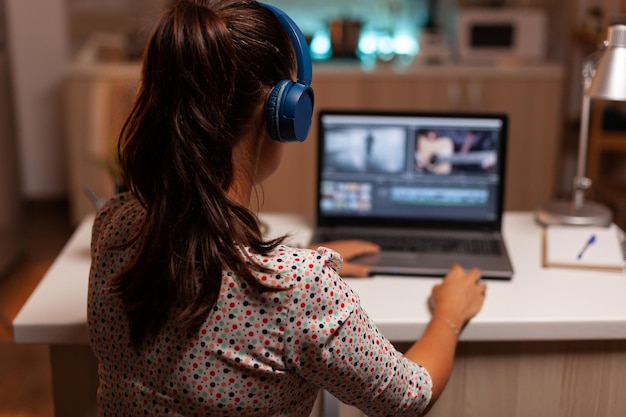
{"type": "Point", "coordinates": [590, 63]}
{"type": "Point", "coordinates": [581, 182]}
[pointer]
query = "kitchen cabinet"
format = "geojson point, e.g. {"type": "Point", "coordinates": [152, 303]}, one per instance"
{"type": "Point", "coordinates": [97, 99]}
{"type": "Point", "coordinates": [606, 153]}
{"type": "Point", "coordinates": [530, 96]}
{"type": "Point", "coordinates": [96, 103]}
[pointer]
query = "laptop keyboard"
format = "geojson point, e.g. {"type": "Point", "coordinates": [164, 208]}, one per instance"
{"type": "Point", "coordinates": [429, 244]}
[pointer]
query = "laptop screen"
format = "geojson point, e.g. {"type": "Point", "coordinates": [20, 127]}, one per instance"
{"type": "Point", "coordinates": [440, 169]}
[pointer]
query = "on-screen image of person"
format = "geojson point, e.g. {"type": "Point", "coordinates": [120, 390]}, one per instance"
{"type": "Point", "coordinates": [431, 150]}
{"type": "Point", "coordinates": [474, 150]}
{"type": "Point", "coordinates": [386, 150]}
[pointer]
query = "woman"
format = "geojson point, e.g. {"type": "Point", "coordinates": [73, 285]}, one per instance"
{"type": "Point", "coordinates": [191, 312]}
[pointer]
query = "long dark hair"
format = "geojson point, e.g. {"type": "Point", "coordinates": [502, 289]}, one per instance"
{"type": "Point", "coordinates": [206, 69]}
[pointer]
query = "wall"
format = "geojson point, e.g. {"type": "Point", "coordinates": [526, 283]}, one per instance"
{"type": "Point", "coordinates": [130, 18]}
{"type": "Point", "coordinates": [38, 53]}
{"type": "Point", "coordinates": [9, 182]}
{"type": "Point", "coordinates": [10, 202]}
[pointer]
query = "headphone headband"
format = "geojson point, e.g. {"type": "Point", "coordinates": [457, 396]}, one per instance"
{"type": "Point", "coordinates": [301, 48]}
{"type": "Point", "coordinates": [289, 108]}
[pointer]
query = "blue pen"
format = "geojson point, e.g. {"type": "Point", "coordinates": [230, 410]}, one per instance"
{"type": "Point", "coordinates": [590, 241]}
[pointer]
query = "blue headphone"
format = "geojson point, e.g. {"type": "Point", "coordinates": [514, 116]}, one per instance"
{"type": "Point", "coordinates": [290, 104]}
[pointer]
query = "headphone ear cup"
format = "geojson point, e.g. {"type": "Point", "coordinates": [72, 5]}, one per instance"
{"type": "Point", "coordinates": [302, 111]}
{"type": "Point", "coordinates": [273, 110]}
{"type": "Point", "coordinates": [289, 111]}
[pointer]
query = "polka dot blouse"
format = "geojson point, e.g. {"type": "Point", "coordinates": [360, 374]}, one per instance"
{"type": "Point", "coordinates": [258, 353]}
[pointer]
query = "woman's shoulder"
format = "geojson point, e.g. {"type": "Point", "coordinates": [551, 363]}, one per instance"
{"type": "Point", "coordinates": [120, 217]}
{"type": "Point", "coordinates": [292, 266]}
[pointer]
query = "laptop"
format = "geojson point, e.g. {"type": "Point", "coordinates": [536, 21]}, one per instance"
{"type": "Point", "coordinates": [427, 187]}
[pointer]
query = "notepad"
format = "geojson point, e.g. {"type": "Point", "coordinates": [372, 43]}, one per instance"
{"type": "Point", "coordinates": [583, 247]}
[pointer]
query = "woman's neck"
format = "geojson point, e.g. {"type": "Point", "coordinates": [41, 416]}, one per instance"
{"type": "Point", "coordinates": [245, 163]}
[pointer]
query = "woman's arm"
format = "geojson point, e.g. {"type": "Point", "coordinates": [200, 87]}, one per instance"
{"type": "Point", "coordinates": [453, 302]}
{"type": "Point", "coordinates": [335, 344]}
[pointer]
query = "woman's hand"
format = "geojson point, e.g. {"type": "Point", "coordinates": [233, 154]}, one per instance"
{"type": "Point", "coordinates": [459, 297]}
{"type": "Point", "coordinates": [350, 249]}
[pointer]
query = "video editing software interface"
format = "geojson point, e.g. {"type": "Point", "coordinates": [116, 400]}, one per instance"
{"type": "Point", "coordinates": [410, 167]}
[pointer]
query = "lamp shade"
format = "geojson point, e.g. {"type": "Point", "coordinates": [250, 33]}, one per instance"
{"type": "Point", "coordinates": [609, 82]}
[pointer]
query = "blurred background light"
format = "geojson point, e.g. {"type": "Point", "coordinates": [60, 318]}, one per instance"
{"type": "Point", "coordinates": [320, 46]}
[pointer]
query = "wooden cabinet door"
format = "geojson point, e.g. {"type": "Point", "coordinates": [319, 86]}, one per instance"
{"type": "Point", "coordinates": [533, 106]}
{"type": "Point", "coordinates": [411, 93]}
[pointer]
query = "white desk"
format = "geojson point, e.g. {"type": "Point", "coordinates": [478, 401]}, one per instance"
{"type": "Point", "coordinates": [549, 342]}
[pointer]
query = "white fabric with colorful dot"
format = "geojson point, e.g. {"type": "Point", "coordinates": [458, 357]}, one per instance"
{"type": "Point", "coordinates": [258, 353]}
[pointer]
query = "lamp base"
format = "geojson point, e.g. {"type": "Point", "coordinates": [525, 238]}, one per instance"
{"type": "Point", "coordinates": [563, 212]}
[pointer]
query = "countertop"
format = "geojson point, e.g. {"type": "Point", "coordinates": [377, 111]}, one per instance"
{"type": "Point", "coordinates": [112, 70]}
{"type": "Point", "coordinates": [537, 304]}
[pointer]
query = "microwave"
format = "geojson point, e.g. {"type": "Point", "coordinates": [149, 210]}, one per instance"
{"type": "Point", "coordinates": [493, 35]}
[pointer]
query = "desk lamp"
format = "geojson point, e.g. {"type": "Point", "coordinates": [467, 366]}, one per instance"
{"type": "Point", "coordinates": [604, 78]}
